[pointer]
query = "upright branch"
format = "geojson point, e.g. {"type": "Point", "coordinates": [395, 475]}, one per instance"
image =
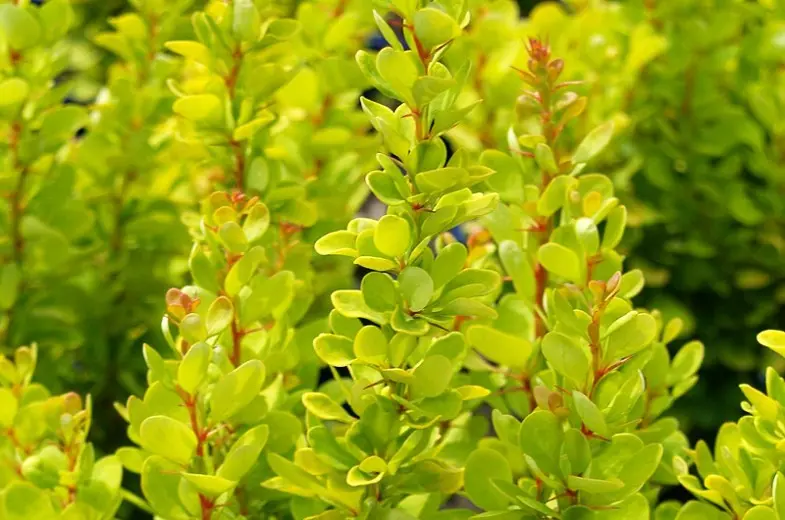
{"type": "Point", "coordinates": [542, 78]}
{"type": "Point", "coordinates": [230, 336]}
{"type": "Point", "coordinates": [590, 366]}
{"type": "Point", "coordinates": [43, 439]}
{"type": "Point", "coordinates": [404, 362]}
{"type": "Point", "coordinates": [37, 129]}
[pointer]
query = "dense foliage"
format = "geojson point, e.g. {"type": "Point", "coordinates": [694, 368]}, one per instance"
{"type": "Point", "coordinates": [468, 345]}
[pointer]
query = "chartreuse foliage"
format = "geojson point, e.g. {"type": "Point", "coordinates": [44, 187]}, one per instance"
{"type": "Point", "coordinates": [532, 319]}
{"type": "Point", "coordinates": [588, 374]}
{"type": "Point", "coordinates": [322, 146]}
{"type": "Point", "coordinates": [49, 471]}
{"type": "Point", "coordinates": [695, 89]}
{"type": "Point", "coordinates": [41, 222]}
{"type": "Point", "coordinates": [136, 189]}
{"type": "Point", "coordinates": [743, 478]}
{"type": "Point", "coordinates": [231, 386]}
{"type": "Point", "coordinates": [388, 440]}
{"type": "Point", "coordinates": [303, 148]}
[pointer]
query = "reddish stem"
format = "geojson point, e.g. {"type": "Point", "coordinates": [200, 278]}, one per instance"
{"type": "Point", "coordinates": [190, 404]}
{"type": "Point", "coordinates": [207, 506]}
{"type": "Point", "coordinates": [239, 164]}
{"type": "Point", "coordinates": [237, 338]}
{"type": "Point", "coordinates": [541, 282]}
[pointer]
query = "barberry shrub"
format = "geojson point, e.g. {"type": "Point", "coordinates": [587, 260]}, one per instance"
{"type": "Point", "coordinates": [512, 371]}
{"type": "Point", "coordinates": [742, 477]}
{"type": "Point", "coordinates": [694, 89]}
{"type": "Point", "coordinates": [43, 225]}
{"type": "Point", "coordinates": [387, 435]}
{"type": "Point", "coordinates": [49, 470]}
{"type": "Point", "coordinates": [589, 374]}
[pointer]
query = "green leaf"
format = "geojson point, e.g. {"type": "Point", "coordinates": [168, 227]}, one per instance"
{"type": "Point", "coordinates": [591, 416]}
{"type": "Point", "coordinates": [236, 390]}
{"type": "Point", "coordinates": [384, 187]}
{"type": "Point", "coordinates": [8, 407]}
{"type": "Point", "coordinates": [334, 350]}
{"type": "Point", "coordinates": [219, 316]}
{"type": "Point", "coordinates": [351, 304]}
{"type": "Point", "coordinates": [591, 485]}
{"type": "Point", "coordinates": [56, 18]}
{"type": "Point", "coordinates": [559, 260]}
{"type": "Point", "coordinates": [192, 50]}
{"type": "Point", "coordinates": [686, 362]}
{"type": "Point", "coordinates": [636, 472]}
{"type": "Point", "coordinates": [441, 179]}
{"type": "Point", "coordinates": [555, 195]}
{"type": "Point", "coordinates": [497, 346]}
{"type": "Point", "coordinates": [629, 335]}
{"type": "Point", "coordinates": [201, 108]}
{"type": "Point", "coordinates": [244, 453]}
{"type": "Point", "coordinates": [291, 472]}
{"type": "Point", "coordinates": [337, 243]}
{"type": "Point", "coordinates": [10, 278]}
{"type": "Point", "coordinates": [192, 370]}
{"type": "Point", "coordinates": [19, 26]}
{"type": "Point", "coordinates": [325, 408]}
{"type": "Point", "coordinates": [773, 339]}
{"type": "Point", "coordinates": [482, 467]}
{"type": "Point", "coordinates": [398, 69]}
{"type": "Point", "coordinates": [566, 357]}
{"type": "Point", "coordinates": [541, 438]}
{"type": "Point", "coordinates": [760, 513]}
{"type": "Point", "coordinates": [256, 222]}
{"type": "Point", "coordinates": [376, 263]}
{"type": "Point", "coordinates": [427, 88]}
{"type": "Point", "coordinates": [764, 405]}
{"type": "Point", "coordinates": [517, 266]}
{"type": "Point", "coordinates": [24, 501]}
{"type": "Point", "coordinates": [614, 227]}
{"type": "Point", "coordinates": [168, 438]}
{"type": "Point", "coordinates": [370, 471]}
{"type": "Point", "coordinates": [192, 328]}
{"type": "Point", "coordinates": [13, 91]}
{"type": "Point", "coordinates": [401, 345]}
{"type": "Point", "coordinates": [417, 287]}
{"type": "Point", "coordinates": [232, 236]}
{"type": "Point", "coordinates": [578, 451]}
{"type": "Point", "coordinates": [545, 159]}
{"type": "Point", "coordinates": [60, 125]}
{"type": "Point", "coordinates": [242, 271]}
{"type": "Point", "coordinates": [370, 345]}
{"type": "Point", "coordinates": [434, 27]}
{"type": "Point", "coordinates": [448, 263]}
{"type": "Point", "coordinates": [209, 485]}
{"type": "Point", "coordinates": [471, 392]}
{"type": "Point", "coordinates": [778, 494]}
{"type": "Point", "coordinates": [392, 236]}
{"type": "Point", "coordinates": [160, 482]}
{"type": "Point", "coordinates": [387, 31]}
{"type": "Point", "coordinates": [432, 376]}
{"type": "Point", "coordinates": [594, 143]}
{"type": "Point", "coordinates": [379, 292]}
{"type": "Point", "coordinates": [701, 511]}
{"type": "Point", "coordinates": [246, 23]}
